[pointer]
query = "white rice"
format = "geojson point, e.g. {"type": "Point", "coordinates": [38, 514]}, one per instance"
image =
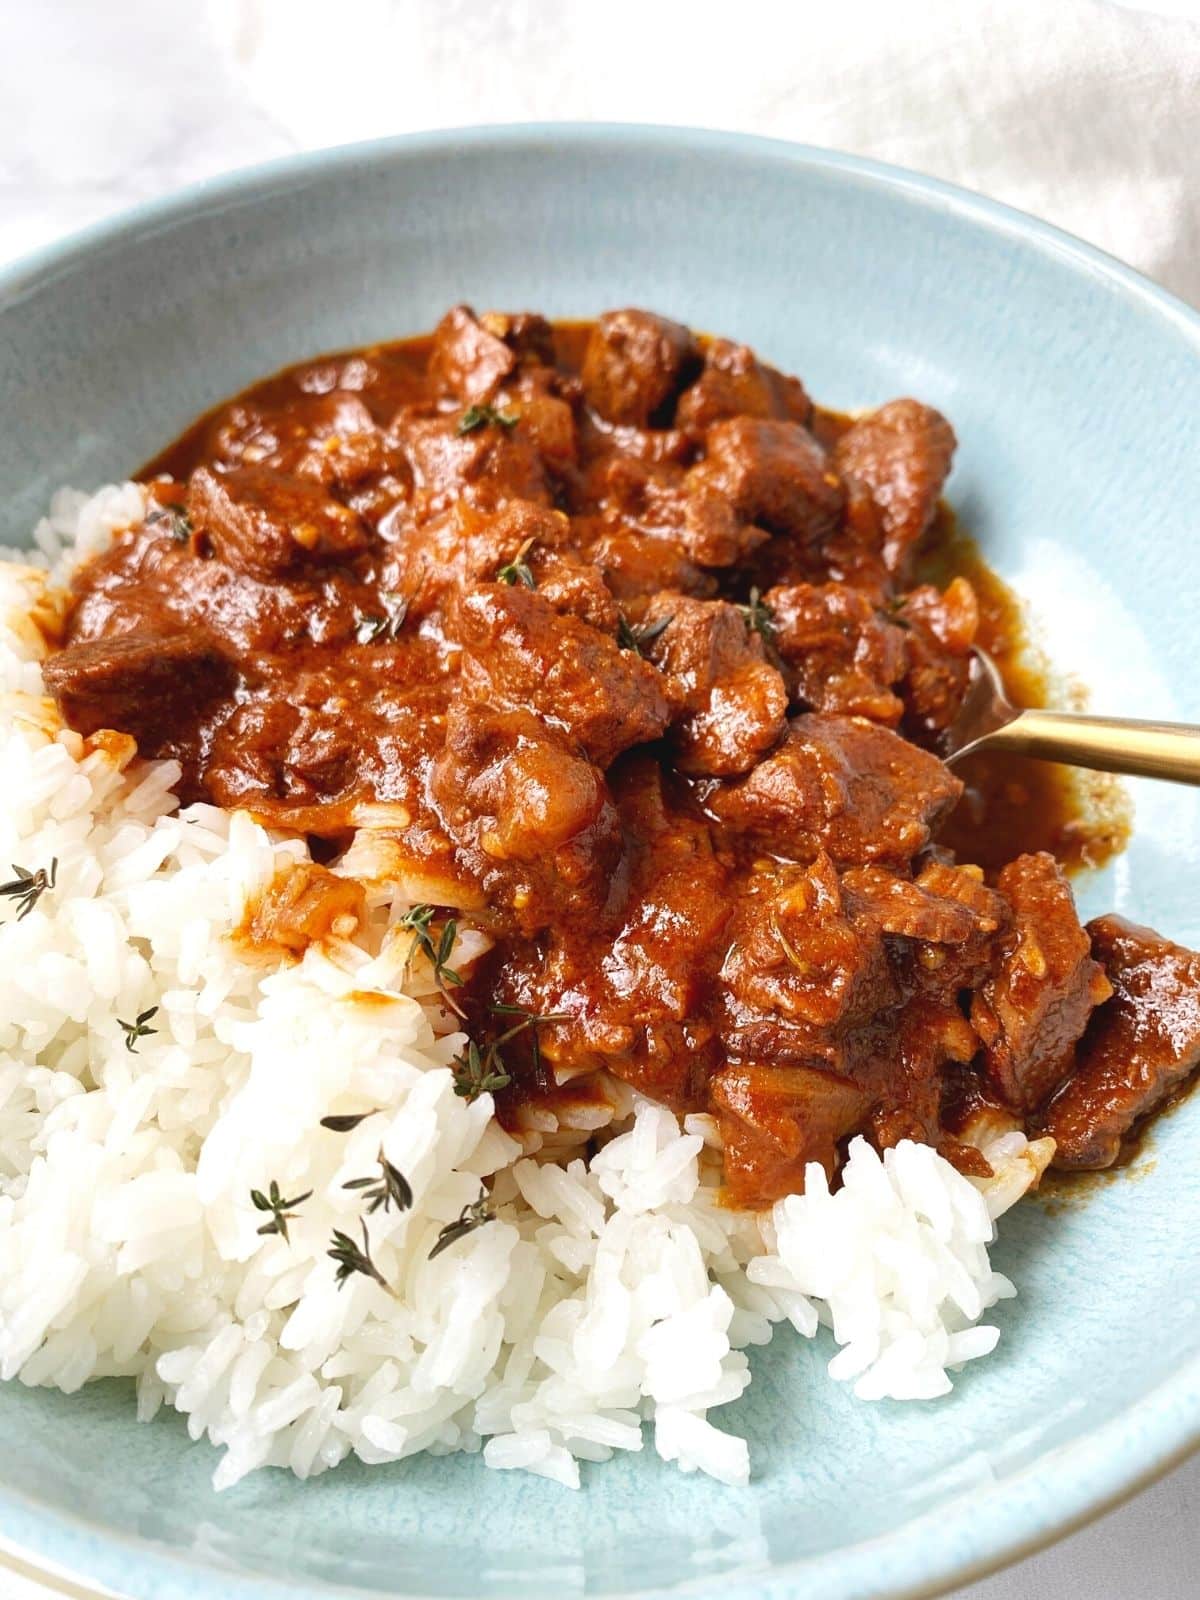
{"type": "Point", "coordinates": [602, 1298]}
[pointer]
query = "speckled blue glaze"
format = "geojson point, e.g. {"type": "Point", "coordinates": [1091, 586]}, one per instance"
{"type": "Point", "coordinates": [1074, 386]}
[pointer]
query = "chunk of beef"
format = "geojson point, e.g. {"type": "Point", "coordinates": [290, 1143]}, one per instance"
{"type": "Point", "coordinates": [855, 552]}
{"type": "Point", "coordinates": [812, 986]}
{"type": "Point", "coordinates": [148, 581]}
{"type": "Point", "coordinates": [964, 966]}
{"type": "Point", "coordinates": [656, 500]}
{"type": "Point", "coordinates": [635, 567]}
{"type": "Point", "coordinates": [340, 445]}
{"type": "Point", "coordinates": [1140, 1045]}
{"type": "Point", "coordinates": [851, 554]}
{"type": "Point", "coordinates": [941, 631]}
{"type": "Point", "coordinates": [635, 1002]}
{"type": "Point", "coordinates": [468, 361]}
{"type": "Point", "coordinates": [945, 923]}
{"type": "Point", "coordinates": [244, 763]}
{"type": "Point", "coordinates": [534, 820]}
{"type": "Point", "coordinates": [1031, 1011]}
{"type": "Point", "coordinates": [735, 383]}
{"type": "Point", "coordinates": [268, 525]}
{"type": "Point", "coordinates": [909, 908]}
{"type": "Point", "coordinates": [706, 526]}
{"type": "Point", "coordinates": [331, 437]}
{"type": "Point", "coordinates": [146, 684]}
{"type": "Point", "coordinates": [609, 447]}
{"type": "Point", "coordinates": [574, 587]}
{"type": "Point", "coordinates": [465, 544]}
{"type": "Point", "coordinates": [902, 452]}
{"type": "Point", "coordinates": [905, 1065]}
{"type": "Point", "coordinates": [520, 651]}
{"type": "Point", "coordinates": [486, 466]}
{"type": "Point", "coordinates": [947, 617]}
{"type": "Point", "coordinates": [634, 365]}
{"type": "Point", "coordinates": [844, 785]}
{"type": "Point", "coordinates": [800, 973]}
{"type": "Point", "coordinates": [728, 703]}
{"type": "Point", "coordinates": [271, 751]}
{"type": "Point", "coordinates": [660, 968]}
{"type": "Point", "coordinates": [774, 474]}
{"type": "Point", "coordinates": [550, 423]}
{"type": "Point", "coordinates": [842, 654]}
{"type": "Point", "coordinates": [521, 543]}
{"type": "Point", "coordinates": [319, 738]}
{"type": "Point", "coordinates": [699, 521]}
{"type": "Point", "coordinates": [526, 333]}
{"type": "Point", "coordinates": [775, 1119]}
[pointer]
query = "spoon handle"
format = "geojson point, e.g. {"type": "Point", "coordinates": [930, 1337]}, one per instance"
{"type": "Point", "coordinates": [1108, 744]}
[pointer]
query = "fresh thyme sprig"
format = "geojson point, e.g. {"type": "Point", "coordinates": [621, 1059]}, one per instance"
{"type": "Point", "coordinates": [346, 1123]}
{"type": "Point", "coordinates": [636, 636]}
{"type": "Point", "coordinates": [469, 1218]}
{"type": "Point", "coordinates": [27, 888]}
{"type": "Point", "coordinates": [178, 522]}
{"type": "Point", "coordinates": [138, 1030]}
{"type": "Point", "coordinates": [759, 617]}
{"type": "Point", "coordinates": [476, 1073]}
{"type": "Point", "coordinates": [479, 1072]}
{"type": "Point", "coordinates": [351, 1259]}
{"type": "Point", "coordinates": [420, 920]}
{"type": "Point", "coordinates": [518, 570]}
{"type": "Point", "coordinates": [280, 1209]}
{"type": "Point", "coordinates": [529, 1019]}
{"type": "Point", "coordinates": [387, 626]}
{"type": "Point", "coordinates": [479, 416]}
{"type": "Point", "coordinates": [392, 1188]}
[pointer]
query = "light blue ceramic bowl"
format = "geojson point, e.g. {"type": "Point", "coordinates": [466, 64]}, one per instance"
{"type": "Point", "coordinates": [1074, 386]}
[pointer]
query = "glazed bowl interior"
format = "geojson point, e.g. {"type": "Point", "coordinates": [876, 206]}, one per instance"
{"type": "Point", "coordinates": [1073, 389]}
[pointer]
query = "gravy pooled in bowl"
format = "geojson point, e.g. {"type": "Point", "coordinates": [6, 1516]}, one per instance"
{"type": "Point", "coordinates": [607, 641]}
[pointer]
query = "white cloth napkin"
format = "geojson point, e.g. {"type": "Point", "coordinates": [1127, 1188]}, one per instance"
{"type": "Point", "coordinates": [1083, 112]}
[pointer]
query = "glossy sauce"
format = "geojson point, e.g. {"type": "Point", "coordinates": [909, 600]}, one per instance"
{"type": "Point", "coordinates": [521, 652]}
{"type": "Point", "coordinates": [1011, 804]}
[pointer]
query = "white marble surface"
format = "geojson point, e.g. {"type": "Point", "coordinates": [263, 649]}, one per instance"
{"type": "Point", "coordinates": [1086, 113]}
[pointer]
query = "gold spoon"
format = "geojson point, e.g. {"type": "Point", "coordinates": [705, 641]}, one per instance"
{"type": "Point", "coordinates": [989, 721]}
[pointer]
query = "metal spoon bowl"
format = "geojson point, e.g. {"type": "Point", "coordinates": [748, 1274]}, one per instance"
{"type": "Point", "coordinates": [989, 721]}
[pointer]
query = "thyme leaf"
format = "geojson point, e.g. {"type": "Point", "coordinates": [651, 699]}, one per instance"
{"type": "Point", "coordinates": [280, 1209]}
{"type": "Point", "coordinates": [636, 636]}
{"type": "Point", "coordinates": [759, 617]}
{"type": "Point", "coordinates": [479, 416]}
{"type": "Point", "coordinates": [469, 1218]}
{"type": "Point", "coordinates": [479, 1072]}
{"type": "Point", "coordinates": [27, 888]}
{"type": "Point", "coordinates": [517, 570]}
{"type": "Point", "coordinates": [138, 1029]}
{"type": "Point", "coordinates": [420, 920]}
{"type": "Point", "coordinates": [392, 1188]}
{"type": "Point", "coordinates": [529, 1019]}
{"type": "Point", "coordinates": [351, 1259]}
{"type": "Point", "coordinates": [387, 626]}
{"type": "Point", "coordinates": [476, 1073]}
{"type": "Point", "coordinates": [345, 1124]}
{"type": "Point", "coordinates": [176, 521]}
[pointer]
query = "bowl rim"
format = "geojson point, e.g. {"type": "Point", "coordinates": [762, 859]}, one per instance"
{"type": "Point", "coordinates": [1080, 1480]}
